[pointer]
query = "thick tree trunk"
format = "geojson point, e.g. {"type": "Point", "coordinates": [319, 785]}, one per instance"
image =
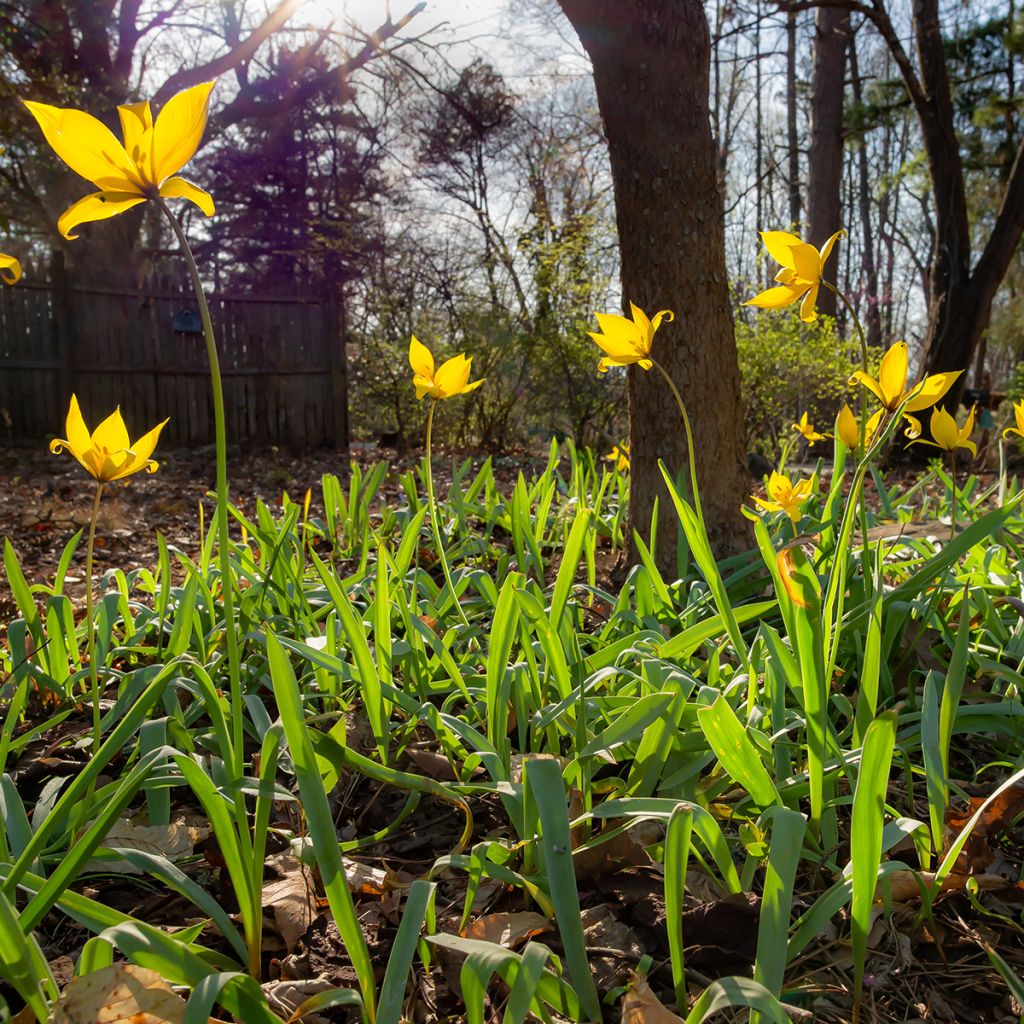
{"type": "Point", "coordinates": [651, 62]}
{"type": "Point", "coordinates": [825, 155]}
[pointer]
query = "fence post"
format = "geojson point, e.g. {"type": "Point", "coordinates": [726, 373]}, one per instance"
{"type": "Point", "coordinates": [336, 331]}
{"type": "Point", "coordinates": [63, 331]}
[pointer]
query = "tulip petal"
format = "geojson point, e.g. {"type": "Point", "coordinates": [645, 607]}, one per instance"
{"type": "Point", "coordinates": [826, 249]}
{"type": "Point", "coordinates": [10, 268]}
{"type": "Point", "coordinates": [182, 188]}
{"type": "Point", "coordinates": [914, 428]}
{"type": "Point", "coordinates": [112, 434]}
{"type": "Point", "coordinates": [943, 429]}
{"type": "Point", "coordinates": [892, 375]}
{"type": "Point", "coordinates": [179, 129]}
{"type": "Point", "coordinates": [847, 427]}
{"type": "Point", "coordinates": [931, 389]}
{"type": "Point", "coordinates": [79, 439]}
{"type": "Point", "coordinates": [806, 262]}
{"type": "Point", "coordinates": [860, 377]}
{"type": "Point", "coordinates": [779, 245]}
{"type": "Point", "coordinates": [807, 311]}
{"type": "Point", "coordinates": [137, 130]}
{"type": "Point", "coordinates": [97, 206]}
{"type": "Point", "coordinates": [423, 385]}
{"type": "Point", "coordinates": [776, 298]}
{"type": "Point", "coordinates": [141, 452]}
{"type": "Point", "coordinates": [87, 146]}
{"type": "Point", "coordinates": [420, 360]}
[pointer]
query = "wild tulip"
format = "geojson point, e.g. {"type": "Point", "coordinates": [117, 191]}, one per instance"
{"type": "Point", "coordinates": [891, 386]}
{"type": "Point", "coordinates": [10, 269]}
{"type": "Point", "coordinates": [848, 428]}
{"type": "Point", "coordinates": [627, 341]}
{"type": "Point", "coordinates": [619, 456]}
{"type": "Point", "coordinates": [800, 275]}
{"type": "Point", "coordinates": [805, 428]}
{"type": "Point", "coordinates": [144, 167]}
{"type": "Point", "coordinates": [1018, 415]}
{"type": "Point", "coordinates": [107, 453]}
{"type": "Point", "coordinates": [447, 381]}
{"type": "Point", "coordinates": [947, 435]}
{"type": "Point", "coordinates": [785, 496]}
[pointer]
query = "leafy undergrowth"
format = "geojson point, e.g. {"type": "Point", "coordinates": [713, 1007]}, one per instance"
{"type": "Point", "coordinates": [781, 782]}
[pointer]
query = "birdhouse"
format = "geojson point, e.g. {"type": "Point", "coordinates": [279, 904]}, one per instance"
{"type": "Point", "coordinates": [186, 321]}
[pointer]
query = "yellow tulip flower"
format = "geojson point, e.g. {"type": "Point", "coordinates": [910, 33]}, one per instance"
{"type": "Point", "coordinates": [806, 428]}
{"type": "Point", "coordinates": [144, 167]}
{"type": "Point", "coordinates": [948, 436]}
{"type": "Point", "coordinates": [1018, 415]}
{"type": "Point", "coordinates": [628, 341]}
{"type": "Point", "coordinates": [800, 276]}
{"type": "Point", "coordinates": [891, 387]}
{"type": "Point", "coordinates": [785, 496]}
{"type": "Point", "coordinates": [620, 456]}
{"type": "Point", "coordinates": [10, 268]}
{"type": "Point", "coordinates": [449, 380]}
{"type": "Point", "coordinates": [108, 453]}
{"type": "Point", "coordinates": [848, 427]}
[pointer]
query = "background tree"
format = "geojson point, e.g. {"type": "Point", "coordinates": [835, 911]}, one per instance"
{"type": "Point", "coordinates": [651, 63]}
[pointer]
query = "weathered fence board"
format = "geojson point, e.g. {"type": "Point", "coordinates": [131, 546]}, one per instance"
{"type": "Point", "coordinates": [282, 360]}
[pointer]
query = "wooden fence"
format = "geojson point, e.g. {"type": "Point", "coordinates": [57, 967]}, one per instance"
{"type": "Point", "coordinates": [282, 360]}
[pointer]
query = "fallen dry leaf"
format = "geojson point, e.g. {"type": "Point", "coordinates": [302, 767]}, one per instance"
{"type": "Point", "coordinates": [507, 929]}
{"type": "Point", "coordinates": [641, 1006]}
{"type": "Point", "coordinates": [119, 994]}
{"type": "Point", "coordinates": [977, 854]}
{"type": "Point", "coordinates": [178, 839]}
{"type": "Point", "coordinates": [289, 903]}
{"type": "Point", "coordinates": [367, 880]}
{"type": "Point", "coordinates": [903, 885]}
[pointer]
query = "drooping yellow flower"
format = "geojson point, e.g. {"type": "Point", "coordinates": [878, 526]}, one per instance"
{"type": "Point", "coordinates": [806, 428]}
{"type": "Point", "coordinates": [144, 167]}
{"type": "Point", "coordinates": [800, 276]}
{"type": "Point", "coordinates": [947, 435]}
{"type": "Point", "coordinates": [449, 380]}
{"type": "Point", "coordinates": [785, 496]}
{"type": "Point", "coordinates": [626, 341]}
{"type": "Point", "coordinates": [108, 453]}
{"type": "Point", "coordinates": [10, 268]}
{"type": "Point", "coordinates": [620, 456]}
{"type": "Point", "coordinates": [891, 387]}
{"type": "Point", "coordinates": [848, 427]}
{"type": "Point", "coordinates": [1018, 415]}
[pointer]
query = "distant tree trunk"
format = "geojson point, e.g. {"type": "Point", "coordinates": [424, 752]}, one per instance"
{"type": "Point", "coordinates": [792, 138]}
{"type": "Point", "coordinates": [825, 155]}
{"type": "Point", "coordinates": [960, 295]}
{"type": "Point", "coordinates": [651, 61]}
{"type": "Point", "coordinates": [873, 319]}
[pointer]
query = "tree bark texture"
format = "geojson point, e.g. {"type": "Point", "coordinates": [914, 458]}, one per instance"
{"type": "Point", "coordinates": [825, 154]}
{"type": "Point", "coordinates": [651, 61]}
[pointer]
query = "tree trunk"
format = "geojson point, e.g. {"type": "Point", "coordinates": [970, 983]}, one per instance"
{"type": "Point", "coordinates": [825, 155]}
{"type": "Point", "coordinates": [651, 61]}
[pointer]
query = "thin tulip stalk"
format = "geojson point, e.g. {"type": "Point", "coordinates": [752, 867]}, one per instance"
{"type": "Point", "coordinates": [435, 521]}
{"type": "Point", "coordinates": [223, 539]}
{"type": "Point", "coordinates": [449, 379]}
{"type": "Point", "coordinates": [107, 454]}
{"type": "Point", "coordinates": [90, 622]}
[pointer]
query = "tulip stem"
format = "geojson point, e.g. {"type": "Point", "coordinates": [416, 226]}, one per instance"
{"type": "Point", "coordinates": [90, 635]}
{"type": "Point", "coordinates": [434, 516]}
{"type": "Point", "coordinates": [952, 484]}
{"type": "Point", "coordinates": [223, 540]}
{"type": "Point", "coordinates": [688, 430]}
{"type": "Point", "coordinates": [863, 446]}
